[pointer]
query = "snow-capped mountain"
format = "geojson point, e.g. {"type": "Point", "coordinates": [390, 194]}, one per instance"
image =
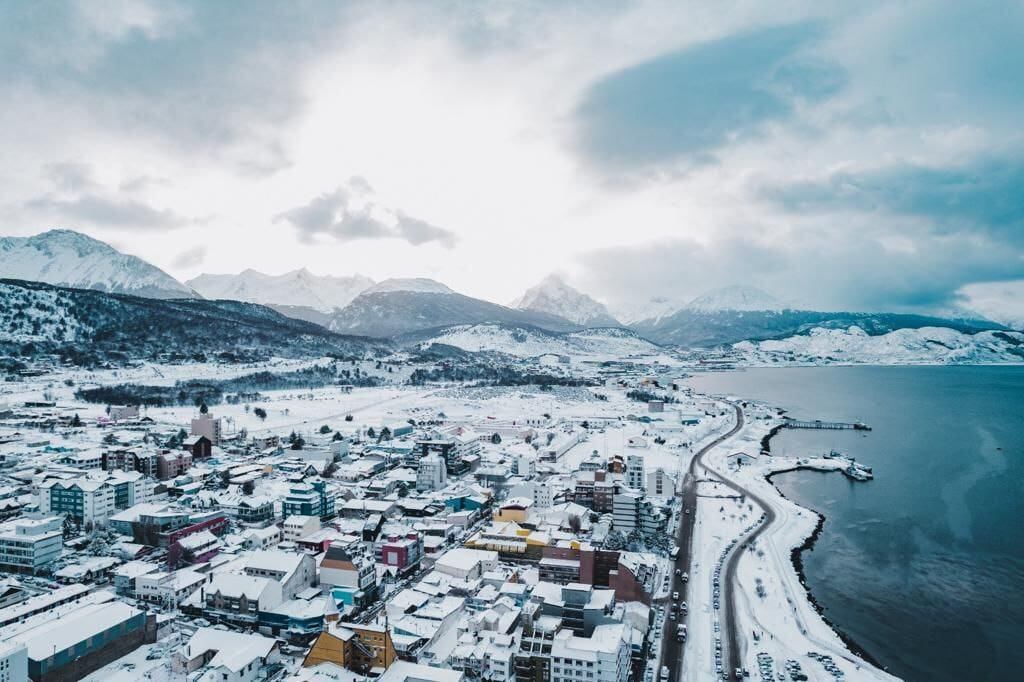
{"type": "Point", "coordinates": [418, 285]}
{"type": "Point", "coordinates": [552, 295]}
{"type": "Point", "coordinates": [925, 345]}
{"type": "Point", "coordinates": [403, 306]}
{"type": "Point", "coordinates": [72, 259]}
{"type": "Point", "coordinates": [525, 342]}
{"type": "Point", "coordinates": [652, 310]}
{"type": "Point", "coordinates": [735, 297]}
{"type": "Point", "coordinates": [296, 288]}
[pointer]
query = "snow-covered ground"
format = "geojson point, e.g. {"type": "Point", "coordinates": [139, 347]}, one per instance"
{"type": "Point", "coordinates": [927, 345]}
{"type": "Point", "coordinates": [787, 626]}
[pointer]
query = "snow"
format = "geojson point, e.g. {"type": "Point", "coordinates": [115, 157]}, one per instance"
{"type": "Point", "coordinates": [554, 296]}
{"type": "Point", "coordinates": [69, 258]}
{"type": "Point", "coordinates": [735, 297]}
{"type": "Point", "coordinates": [927, 345]}
{"type": "Point", "coordinates": [419, 285]}
{"type": "Point", "coordinates": [296, 288]}
{"type": "Point", "coordinates": [650, 311]}
{"type": "Point", "coordinates": [525, 343]}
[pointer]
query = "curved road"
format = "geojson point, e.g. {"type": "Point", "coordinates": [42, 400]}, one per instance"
{"type": "Point", "coordinates": [671, 649]}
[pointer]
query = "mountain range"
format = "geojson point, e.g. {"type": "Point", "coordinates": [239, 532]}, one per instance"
{"type": "Point", "coordinates": [356, 305]}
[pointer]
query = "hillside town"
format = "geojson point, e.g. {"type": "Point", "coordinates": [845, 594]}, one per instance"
{"type": "Point", "coordinates": [430, 532]}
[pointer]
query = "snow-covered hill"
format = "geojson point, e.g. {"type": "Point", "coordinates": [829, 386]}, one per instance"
{"type": "Point", "coordinates": [735, 297]}
{"type": "Point", "coordinates": [926, 345]}
{"type": "Point", "coordinates": [552, 295]}
{"type": "Point", "coordinates": [651, 311]}
{"type": "Point", "coordinates": [530, 342]}
{"type": "Point", "coordinates": [417, 285]}
{"type": "Point", "coordinates": [297, 288]}
{"type": "Point", "coordinates": [72, 259]}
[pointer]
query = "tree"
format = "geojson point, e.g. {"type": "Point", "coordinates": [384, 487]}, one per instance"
{"type": "Point", "coordinates": [614, 540]}
{"type": "Point", "coordinates": [575, 523]}
{"type": "Point", "coordinates": [249, 487]}
{"type": "Point", "coordinates": [371, 433]}
{"type": "Point", "coordinates": [298, 443]}
{"type": "Point", "coordinates": [325, 429]}
{"type": "Point", "coordinates": [338, 436]}
{"type": "Point", "coordinates": [403, 490]}
{"type": "Point", "coordinates": [203, 409]}
{"type": "Point", "coordinates": [496, 439]}
{"type": "Point", "coordinates": [76, 421]}
{"type": "Point", "coordinates": [260, 412]}
{"type": "Point", "coordinates": [110, 439]}
{"type": "Point", "coordinates": [348, 417]}
{"type": "Point", "coordinates": [225, 478]}
{"type": "Point", "coordinates": [330, 469]}
{"type": "Point", "coordinates": [385, 434]}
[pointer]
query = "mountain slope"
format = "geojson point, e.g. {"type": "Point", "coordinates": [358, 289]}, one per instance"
{"type": "Point", "coordinates": [69, 258]}
{"type": "Point", "coordinates": [553, 296]}
{"type": "Point", "coordinates": [527, 342]}
{"type": "Point", "coordinates": [39, 318]}
{"type": "Point", "coordinates": [927, 345]}
{"type": "Point", "coordinates": [735, 297]}
{"type": "Point", "coordinates": [402, 306]}
{"type": "Point", "coordinates": [299, 288]}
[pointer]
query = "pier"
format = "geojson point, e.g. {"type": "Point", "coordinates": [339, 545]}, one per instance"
{"type": "Point", "coordinates": [818, 424]}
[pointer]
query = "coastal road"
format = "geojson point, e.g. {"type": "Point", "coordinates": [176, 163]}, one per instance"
{"type": "Point", "coordinates": [671, 648]}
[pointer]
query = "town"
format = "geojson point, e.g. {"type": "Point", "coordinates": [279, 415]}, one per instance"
{"type": "Point", "coordinates": [421, 532]}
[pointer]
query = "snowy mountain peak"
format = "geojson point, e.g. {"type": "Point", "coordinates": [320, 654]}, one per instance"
{"type": "Point", "coordinates": [419, 285]}
{"type": "Point", "coordinates": [736, 297]}
{"type": "Point", "coordinates": [72, 259]}
{"type": "Point", "coordinates": [553, 296]}
{"type": "Point", "coordinates": [296, 288]}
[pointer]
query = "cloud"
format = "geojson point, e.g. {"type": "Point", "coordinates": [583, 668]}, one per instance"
{"type": "Point", "coordinates": [351, 212]}
{"type": "Point", "coordinates": [686, 104]}
{"type": "Point", "coordinates": [76, 196]}
{"type": "Point", "coordinates": [190, 257]}
{"type": "Point", "coordinates": [981, 196]}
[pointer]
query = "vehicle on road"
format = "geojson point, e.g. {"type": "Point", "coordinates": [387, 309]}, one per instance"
{"type": "Point", "coordinates": [664, 672]}
{"type": "Point", "coordinates": [675, 596]}
{"type": "Point", "coordinates": [679, 571]}
{"type": "Point", "coordinates": [685, 577]}
{"type": "Point", "coordinates": [675, 553]}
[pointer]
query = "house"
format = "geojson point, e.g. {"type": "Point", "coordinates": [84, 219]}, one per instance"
{"type": "Point", "coordinates": [29, 545]}
{"type": "Point", "coordinates": [228, 656]}
{"type": "Point", "coordinates": [262, 538]}
{"type": "Point", "coordinates": [207, 425]}
{"type": "Point", "coordinates": [235, 599]}
{"type": "Point", "coordinates": [307, 499]}
{"type": "Point", "coordinates": [297, 527]}
{"type": "Point", "coordinates": [351, 576]}
{"type": "Point", "coordinates": [122, 412]}
{"type": "Point", "coordinates": [168, 588]}
{"type": "Point", "coordinates": [295, 572]}
{"type": "Point", "coordinates": [466, 564]}
{"type": "Point", "coordinates": [198, 446]}
{"type": "Point", "coordinates": [402, 553]}
{"type": "Point", "coordinates": [173, 464]}
{"type": "Point", "coordinates": [356, 647]}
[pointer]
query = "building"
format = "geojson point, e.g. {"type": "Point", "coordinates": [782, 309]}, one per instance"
{"type": "Point", "coordinates": [525, 464]}
{"type": "Point", "coordinates": [207, 425]}
{"type": "Point", "coordinates": [168, 588]}
{"type": "Point", "coordinates": [402, 553]}
{"type": "Point", "coordinates": [294, 571]}
{"type": "Point", "coordinates": [466, 564]}
{"type": "Point", "coordinates": [354, 646]}
{"type": "Point", "coordinates": [626, 512]}
{"type": "Point", "coordinates": [309, 499]}
{"type": "Point", "coordinates": [543, 495]}
{"type": "Point", "coordinates": [84, 500]}
{"type": "Point", "coordinates": [236, 599]}
{"type": "Point", "coordinates": [351, 577]}
{"type": "Point", "coordinates": [131, 459]}
{"type": "Point", "coordinates": [198, 446]}
{"type": "Point", "coordinates": [13, 662]}
{"type": "Point", "coordinates": [660, 483]}
{"type": "Point", "coordinates": [30, 545]}
{"type": "Point", "coordinates": [173, 464]}
{"type": "Point", "coordinates": [297, 527]}
{"type": "Point", "coordinates": [122, 412]}
{"type": "Point", "coordinates": [635, 472]}
{"type": "Point", "coordinates": [227, 656]}
{"type": "Point", "coordinates": [432, 474]}
{"type": "Point", "coordinates": [602, 657]}
{"type": "Point", "coordinates": [82, 640]}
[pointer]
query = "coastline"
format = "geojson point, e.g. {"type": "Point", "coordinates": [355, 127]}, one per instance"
{"type": "Point", "coordinates": [796, 558]}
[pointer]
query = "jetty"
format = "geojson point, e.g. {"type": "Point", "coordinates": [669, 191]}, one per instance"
{"type": "Point", "coordinates": [818, 424]}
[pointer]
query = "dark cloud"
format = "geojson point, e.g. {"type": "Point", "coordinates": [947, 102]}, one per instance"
{"type": "Point", "coordinates": [688, 103]}
{"type": "Point", "coordinates": [826, 268]}
{"type": "Point", "coordinates": [108, 212]}
{"type": "Point", "coordinates": [351, 212]}
{"type": "Point", "coordinates": [983, 196]}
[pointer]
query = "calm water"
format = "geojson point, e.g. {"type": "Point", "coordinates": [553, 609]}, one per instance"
{"type": "Point", "coordinates": [924, 566]}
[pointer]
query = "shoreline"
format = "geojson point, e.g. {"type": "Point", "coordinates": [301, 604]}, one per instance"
{"type": "Point", "coordinates": [796, 558]}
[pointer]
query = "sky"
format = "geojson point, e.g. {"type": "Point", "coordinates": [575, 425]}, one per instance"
{"type": "Point", "coordinates": [860, 156]}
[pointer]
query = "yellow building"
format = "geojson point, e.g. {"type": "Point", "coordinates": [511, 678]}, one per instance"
{"type": "Point", "coordinates": [360, 648]}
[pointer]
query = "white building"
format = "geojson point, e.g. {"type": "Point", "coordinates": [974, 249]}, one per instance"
{"type": "Point", "coordinates": [602, 657]}
{"type": "Point", "coordinates": [168, 588]}
{"type": "Point", "coordinates": [297, 527]}
{"type": "Point", "coordinates": [27, 545]}
{"type": "Point", "coordinates": [660, 483]}
{"type": "Point", "coordinates": [85, 500]}
{"type": "Point", "coordinates": [227, 656]}
{"type": "Point", "coordinates": [525, 464]}
{"type": "Point", "coordinates": [13, 662]}
{"type": "Point", "coordinates": [432, 473]}
{"type": "Point", "coordinates": [466, 564]}
{"type": "Point", "coordinates": [626, 511]}
{"type": "Point", "coordinates": [207, 425]}
{"type": "Point", "coordinates": [635, 472]}
{"type": "Point", "coordinates": [543, 495]}
{"type": "Point", "coordinates": [295, 571]}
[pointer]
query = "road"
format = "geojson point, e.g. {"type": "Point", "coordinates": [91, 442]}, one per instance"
{"type": "Point", "coordinates": [671, 649]}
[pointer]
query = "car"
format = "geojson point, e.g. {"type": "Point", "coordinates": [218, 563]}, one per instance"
{"type": "Point", "coordinates": [673, 615]}
{"type": "Point", "coordinates": [685, 576]}
{"type": "Point", "coordinates": [679, 571]}
{"type": "Point", "coordinates": [664, 672]}
{"type": "Point", "coordinates": [675, 596]}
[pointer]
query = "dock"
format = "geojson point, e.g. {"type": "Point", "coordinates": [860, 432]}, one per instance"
{"type": "Point", "coordinates": [818, 424]}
